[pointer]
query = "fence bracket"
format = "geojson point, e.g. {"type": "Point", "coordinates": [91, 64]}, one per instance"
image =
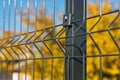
{"type": "Point", "coordinates": [67, 20]}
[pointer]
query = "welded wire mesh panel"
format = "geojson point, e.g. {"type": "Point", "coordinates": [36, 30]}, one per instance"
{"type": "Point", "coordinates": [103, 44]}
{"type": "Point", "coordinates": [30, 45]}
{"type": "Point", "coordinates": [34, 45]}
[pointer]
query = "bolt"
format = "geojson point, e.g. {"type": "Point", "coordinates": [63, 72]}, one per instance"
{"type": "Point", "coordinates": [66, 17]}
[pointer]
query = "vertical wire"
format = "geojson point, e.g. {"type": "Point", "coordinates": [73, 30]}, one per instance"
{"type": "Point", "coordinates": [20, 36]}
{"type": "Point", "coordinates": [0, 68]}
{"type": "Point", "coordinates": [9, 21]}
{"type": "Point", "coordinates": [21, 27]}
{"type": "Point", "coordinates": [1, 62]}
{"type": "Point", "coordinates": [21, 2]}
{"type": "Point", "coordinates": [42, 60]}
{"type": "Point", "coordinates": [6, 61]}
{"type": "Point", "coordinates": [36, 21]}
{"type": "Point", "coordinates": [4, 3]}
{"type": "Point", "coordinates": [13, 35]}
{"type": "Point", "coordinates": [32, 36]}
{"type": "Point", "coordinates": [52, 56]}
{"type": "Point", "coordinates": [64, 69]}
{"type": "Point", "coordinates": [51, 73]}
{"type": "Point", "coordinates": [100, 9]}
{"type": "Point", "coordinates": [14, 18]}
{"type": "Point", "coordinates": [14, 39]}
{"type": "Point", "coordinates": [62, 49]}
{"type": "Point", "coordinates": [44, 14]}
{"type": "Point", "coordinates": [67, 5]}
{"type": "Point", "coordinates": [8, 65]}
{"type": "Point", "coordinates": [28, 7]}
{"type": "Point", "coordinates": [15, 3]}
{"type": "Point", "coordinates": [33, 57]}
{"type": "Point", "coordinates": [7, 69]}
{"type": "Point", "coordinates": [73, 48]}
{"type": "Point", "coordinates": [27, 32]}
{"type": "Point", "coordinates": [109, 32]}
{"type": "Point", "coordinates": [53, 28]}
{"type": "Point", "coordinates": [84, 54]}
{"type": "Point", "coordinates": [36, 15]}
{"type": "Point", "coordinates": [68, 59]}
{"type": "Point", "coordinates": [21, 9]}
{"type": "Point", "coordinates": [4, 11]}
{"type": "Point", "coordinates": [119, 53]}
{"type": "Point", "coordinates": [52, 65]}
{"type": "Point", "coordinates": [17, 60]}
{"type": "Point", "coordinates": [100, 13]}
{"type": "Point", "coordinates": [53, 14]}
{"type": "Point", "coordinates": [35, 3]}
{"type": "Point", "coordinates": [44, 4]}
{"type": "Point", "coordinates": [4, 14]}
{"type": "Point", "coordinates": [100, 53]}
{"type": "Point", "coordinates": [28, 3]}
{"type": "Point", "coordinates": [12, 63]}
{"type": "Point", "coordinates": [9, 5]}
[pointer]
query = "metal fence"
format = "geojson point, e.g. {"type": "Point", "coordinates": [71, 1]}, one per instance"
{"type": "Point", "coordinates": [59, 40]}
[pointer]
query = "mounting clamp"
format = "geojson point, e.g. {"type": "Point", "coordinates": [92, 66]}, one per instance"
{"type": "Point", "coordinates": [67, 20]}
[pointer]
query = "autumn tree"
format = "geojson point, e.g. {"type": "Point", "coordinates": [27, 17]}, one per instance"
{"type": "Point", "coordinates": [40, 58]}
{"type": "Point", "coordinates": [103, 41]}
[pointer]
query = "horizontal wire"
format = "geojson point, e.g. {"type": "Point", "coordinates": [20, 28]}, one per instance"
{"type": "Point", "coordinates": [32, 32]}
{"type": "Point", "coordinates": [103, 14]}
{"type": "Point", "coordinates": [59, 57]}
{"type": "Point", "coordinates": [77, 35]}
{"type": "Point", "coordinates": [55, 38]}
{"type": "Point", "coordinates": [62, 24]}
{"type": "Point", "coordinates": [83, 34]}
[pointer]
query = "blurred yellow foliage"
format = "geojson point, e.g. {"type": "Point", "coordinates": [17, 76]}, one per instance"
{"type": "Point", "coordinates": [105, 39]}
{"type": "Point", "coordinates": [110, 64]}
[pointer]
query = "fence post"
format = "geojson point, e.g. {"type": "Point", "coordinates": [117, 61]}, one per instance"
{"type": "Point", "coordinates": [75, 63]}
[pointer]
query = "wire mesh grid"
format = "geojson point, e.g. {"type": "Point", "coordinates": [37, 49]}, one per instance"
{"type": "Point", "coordinates": [29, 37]}
{"type": "Point", "coordinates": [35, 46]}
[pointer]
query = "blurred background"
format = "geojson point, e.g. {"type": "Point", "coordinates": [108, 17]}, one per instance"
{"type": "Point", "coordinates": [32, 40]}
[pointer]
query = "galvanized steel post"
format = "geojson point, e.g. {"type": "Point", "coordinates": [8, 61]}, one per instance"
{"type": "Point", "coordinates": [74, 21]}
